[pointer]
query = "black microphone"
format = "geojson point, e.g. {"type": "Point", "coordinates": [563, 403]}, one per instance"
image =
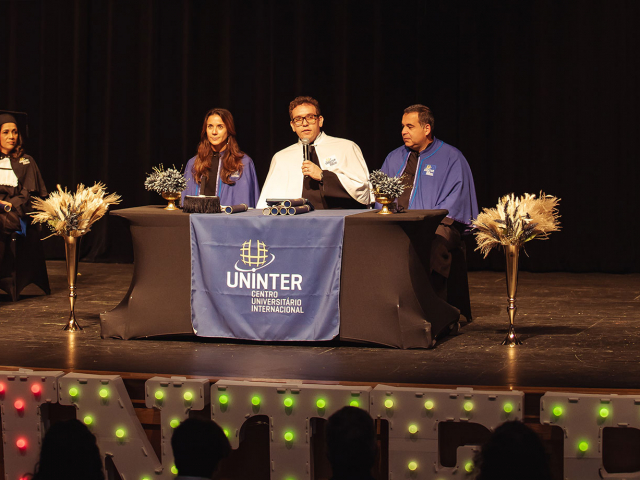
{"type": "Point", "coordinates": [305, 150]}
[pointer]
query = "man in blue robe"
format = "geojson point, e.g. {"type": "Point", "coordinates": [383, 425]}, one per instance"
{"type": "Point", "coordinates": [438, 177]}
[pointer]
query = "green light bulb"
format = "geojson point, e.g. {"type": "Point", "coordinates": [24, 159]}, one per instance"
{"type": "Point", "coordinates": [159, 394]}
{"type": "Point", "coordinates": [413, 466]}
{"type": "Point", "coordinates": [388, 403]}
{"type": "Point", "coordinates": [354, 403]}
{"type": "Point", "coordinates": [88, 420]}
{"type": "Point", "coordinates": [429, 405]}
{"type": "Point", "coordinates": [288, 436]}
{"type": "Point", "coordinates": [188, 396]}
{"type": "Point", "coordinates": [145, 478]}
{"type": "Point", "coordinates": [321, 403]}
{"type": "Point", "coordinates": [226, 432]}
{"type": "Point", "coordinates": [413, 429]}
{"type": "Point", "coordinates": [73, 391]}
{"type": "Point", "coordinates": [120, 433]}
{"type": "Point", "coordinates": [468, 467]}
{"type": "Point", "coordinates": [604, 412]}
{"type": "Point", "coordinates": [557, 411]}
{"type": "Point", "coordinates": [223, 399]}
{"type": "Point", "coordinates": [255, 401]}
{"type": "Point", "coordinates": [468, 406]}
{"type": "Point", "coordinates": [174, 423]}
{"type": "Point", "coordinates": [583, 446]}
{"type": "Point", "coordinates": [288, 402]}
{"type": "Point", "coordinates": [508, 407]}
{"type": "Point", "coordinates": [104, 392]}
{"type": "Point", "coordinates": [174, 469]}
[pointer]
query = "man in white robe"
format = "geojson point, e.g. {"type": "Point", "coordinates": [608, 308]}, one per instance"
{"type": "Point", "coordinates": [335, 177]}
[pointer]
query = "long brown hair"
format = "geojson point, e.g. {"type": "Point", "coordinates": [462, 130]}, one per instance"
{"type": "Point", "coordinates": [231, 162]}
{"type": "Point", "coordinates": [17, 151]}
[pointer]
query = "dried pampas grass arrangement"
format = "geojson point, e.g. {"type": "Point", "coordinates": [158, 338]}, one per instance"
{"type": "Point", "coordinates": [516, 220]}
{"type": "Point", "coordinates": [73, 214]}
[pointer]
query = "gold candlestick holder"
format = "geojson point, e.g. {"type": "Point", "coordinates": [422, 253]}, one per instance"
{"type": "Point", "coordinates": [72, 251]}
{"type": "Point", "coordinates": [511, 254]}
{"type": "Point", "coordinates": [171, 197]}
{"type": "Point", "coordinates": [385, 201]}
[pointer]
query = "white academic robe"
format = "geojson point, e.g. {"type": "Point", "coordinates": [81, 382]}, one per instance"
{"type": "Point", "coordinates": [340, 156]}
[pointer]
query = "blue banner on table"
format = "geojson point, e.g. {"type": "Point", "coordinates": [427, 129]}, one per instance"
{"type": "Point", "coordinates": [266, 278]}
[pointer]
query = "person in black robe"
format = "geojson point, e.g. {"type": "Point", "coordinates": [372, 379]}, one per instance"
{"type": "Point", "coordinates": [20, 180]}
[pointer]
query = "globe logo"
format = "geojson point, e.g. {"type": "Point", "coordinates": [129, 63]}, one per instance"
{"type": "Point", "coordinates": [254, 255]}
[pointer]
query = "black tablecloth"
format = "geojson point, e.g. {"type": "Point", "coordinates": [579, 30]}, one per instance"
{"type": "Point", "coordinates": [385, 295]}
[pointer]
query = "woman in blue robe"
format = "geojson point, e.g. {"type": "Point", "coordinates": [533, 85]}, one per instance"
{"type": "Point", "coordinates": [220, 168]}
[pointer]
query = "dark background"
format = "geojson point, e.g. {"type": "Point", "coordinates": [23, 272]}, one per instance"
{"type": "Point", "coordinates": [538, 95]}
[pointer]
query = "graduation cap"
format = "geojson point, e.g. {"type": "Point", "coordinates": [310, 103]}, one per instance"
{"type": "Point", "coordinates": [21, 118]}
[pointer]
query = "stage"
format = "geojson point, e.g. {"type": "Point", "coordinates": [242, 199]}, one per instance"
{"type": "Point", "coordinates": [581, 334]}
{"type": "Point", "coordinates": [580, 331]}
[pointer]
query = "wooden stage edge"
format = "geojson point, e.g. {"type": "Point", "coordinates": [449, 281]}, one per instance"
{"type": "Point", "coordinates": [581, 334]}
{"type": "Point", "coordinates": [142, 377]}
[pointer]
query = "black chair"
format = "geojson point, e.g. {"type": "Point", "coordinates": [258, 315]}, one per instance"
{"type": "Point", "coordinates": [24, 263]}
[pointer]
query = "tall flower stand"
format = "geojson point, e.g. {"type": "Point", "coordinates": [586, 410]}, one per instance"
{"type": "Point", "coordinates": [72, 251]}
{"type": "Point", "coordinates": [511, 253]}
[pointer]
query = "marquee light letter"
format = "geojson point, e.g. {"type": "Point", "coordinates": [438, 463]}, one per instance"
{"type": "Point", "coordinates": [103, 404]}
{"type": "Point", "coordinates": [21, 395]}
{"type": "Point", "coordinates": [289, 406]}
{"type": "Point", "coordinates": [175, 397]}
{"type": "Point", "coordinates": [583, 417]}
{"type": "Point", "coordinates": [414, 414]}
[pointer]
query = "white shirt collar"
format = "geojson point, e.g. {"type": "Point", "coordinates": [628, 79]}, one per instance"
{"type": "Point", "coordinates": [7, 175]}
{"type": "Point", "coordinates": [318, 139]}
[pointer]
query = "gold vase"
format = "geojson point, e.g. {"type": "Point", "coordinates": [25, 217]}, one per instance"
{"type": "Point", "coordinates": [72, 251]}
{"type": "Point", "coordinates": [385, 201]}
{"type": "Point", "coordinates": [171, 197]}
{"type": "Point", "coordinates": [511, 254]}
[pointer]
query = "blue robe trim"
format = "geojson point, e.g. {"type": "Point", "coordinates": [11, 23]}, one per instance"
{"type": "Point", "coordinates": [245, 190]}
{"type": "Point", "coordinates": [445, 182]}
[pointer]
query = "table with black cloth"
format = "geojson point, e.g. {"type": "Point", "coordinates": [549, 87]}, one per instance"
{"type": "Point", "coordinates": [385, 294]}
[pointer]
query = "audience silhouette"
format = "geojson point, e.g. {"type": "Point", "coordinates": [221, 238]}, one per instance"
{"type": "Point", "coordinates": [351, 444]}
{"type": "Point", "coordinates": [69, 451]}
{"type": "Point", "coordinates": [513, 451]}
{"type": "Point", "coordinates": [198, 446]}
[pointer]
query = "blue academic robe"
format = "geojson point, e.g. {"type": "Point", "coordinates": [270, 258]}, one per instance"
{"type": "Point", "coordinates": [443, 180]}
{"type": "Point", "coordinates": [244, 191]}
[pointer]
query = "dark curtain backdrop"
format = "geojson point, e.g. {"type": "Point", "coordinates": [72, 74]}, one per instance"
{"type": "Point", "coordinates": [538, 95]}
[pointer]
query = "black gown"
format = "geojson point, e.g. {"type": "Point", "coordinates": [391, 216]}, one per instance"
{"type": "Point", "coordinates": [30, 184]}
{"type": "Point", "coordinates": [328, 193]}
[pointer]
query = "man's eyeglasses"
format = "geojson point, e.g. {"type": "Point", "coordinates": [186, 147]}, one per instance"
{"type": "Point", "coordinates": [311, 119]}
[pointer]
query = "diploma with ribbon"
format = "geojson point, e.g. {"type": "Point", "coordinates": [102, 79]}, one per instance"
{"type": "Point", "coordinates": [278, 206]}
{"type": "Point", "coordinates": [235, 208]}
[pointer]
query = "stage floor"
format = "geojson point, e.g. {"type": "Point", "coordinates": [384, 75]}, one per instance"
{"type": "Point", "coordinates": [579, 330]}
